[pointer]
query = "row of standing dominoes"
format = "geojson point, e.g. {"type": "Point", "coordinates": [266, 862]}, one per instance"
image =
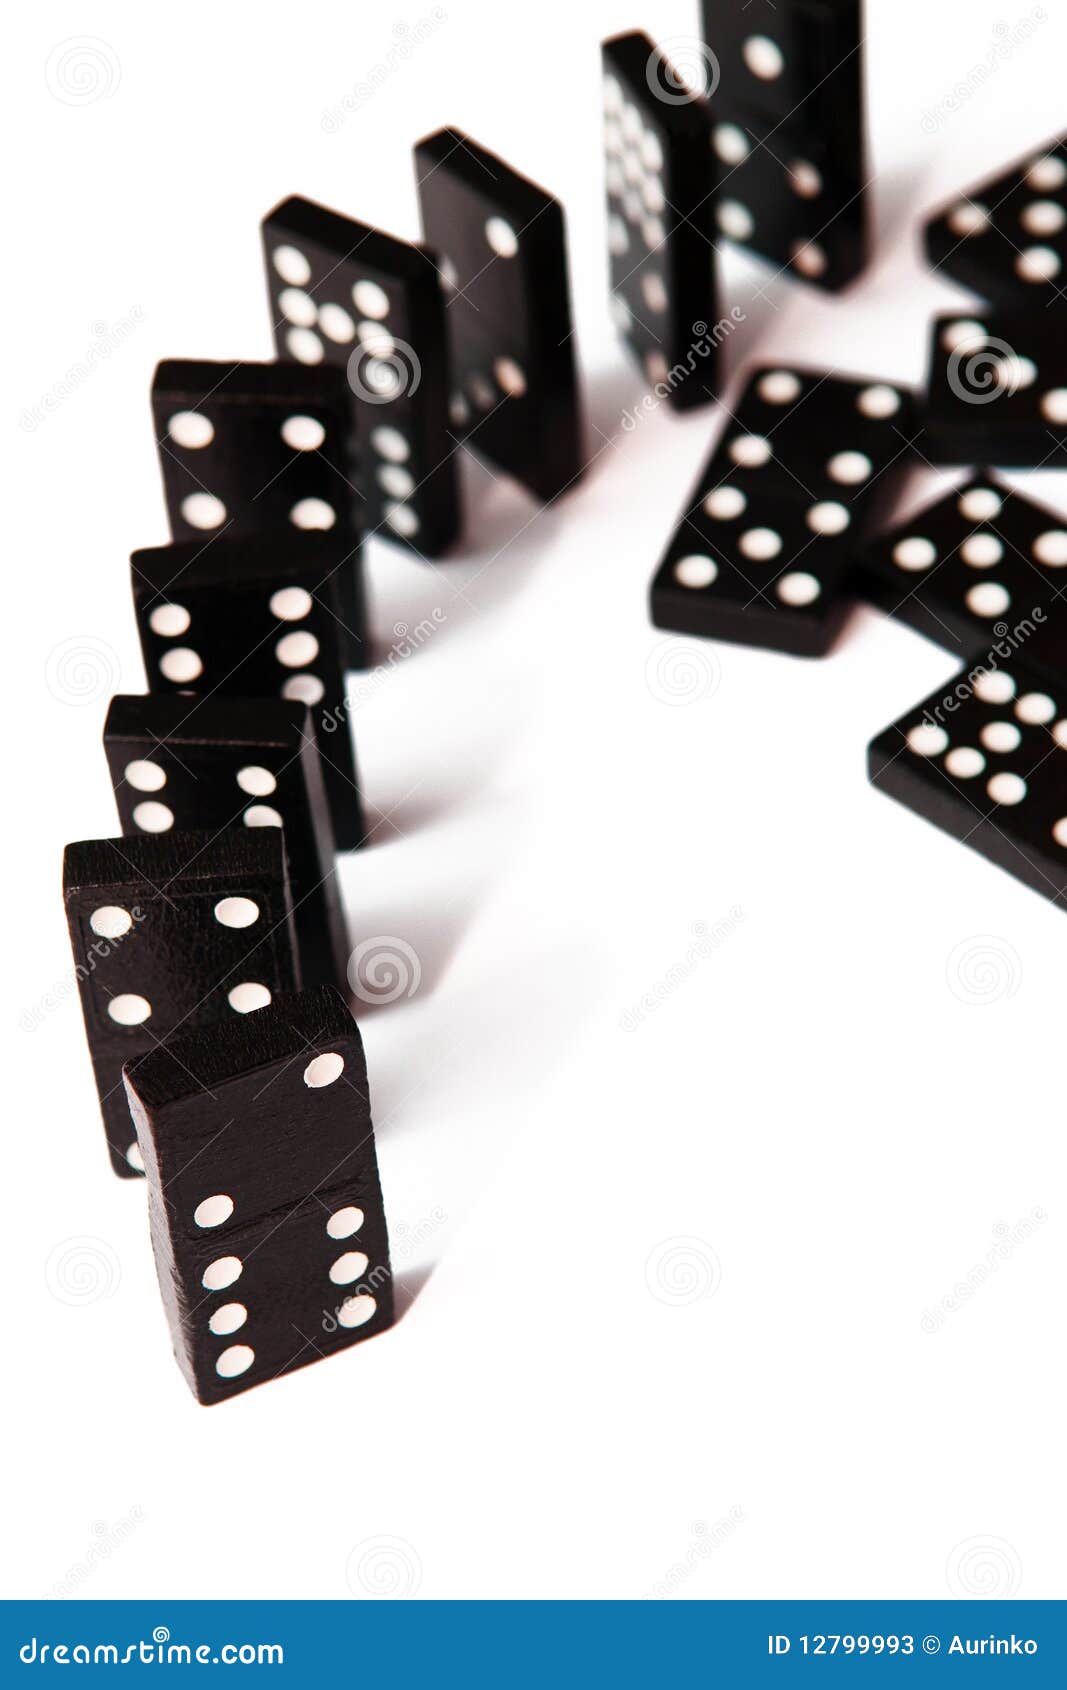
{"type": "Point", "coordinates": [209, 941]}
{"type": "Point", "coordinates": [209, 961]}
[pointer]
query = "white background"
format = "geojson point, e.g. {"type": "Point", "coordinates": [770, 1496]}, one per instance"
{"type": "Point", "coordinates": [665, 1283]}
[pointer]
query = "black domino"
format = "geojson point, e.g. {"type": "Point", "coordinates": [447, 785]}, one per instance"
{"type": "Point", "coordinates": [998, 388]}
{"type": "Point", "coordinates": [1006, 238]}
{"type": "Point", "coordinates": [788, 127]}
{"type": "Point", "coordinates": [501, 245]}
{"type": "Point", "coordinates": [985, 760]}
{"type": "Point", "coordinates": [763, 552]}
{"type": "Point", "coordinates": [783, 197]}
{"type": "Point", "coordinates": [175, 931]}
{"type": "Point", "coordinates": [756, 575]}
{"type": "Point", "coordinates": [265, 1205]}
{"type": "Point", "coordinates": [977, 568]}
{"type": "Point", "coordinates": [795, 61]}
{"type": "Point", "coordinates": [182, 762]}
{"type": "Point", "coordinates": [349, 295]}
{"type": "Point", "coordinates": [245, 448]}
{"type": "Point", "coordinates": [659, 174]}
{"type": "Point", "coordinates": [815, 434]}
{"type": "Point", "coordinates": [263, 614]}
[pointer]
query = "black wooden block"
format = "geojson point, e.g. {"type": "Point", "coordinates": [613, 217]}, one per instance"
{"type": "Point", "coordinates": [258, 615]}
{"type": "Point", "coordinates": [985, 759]}
{"type": "Point", "coordinates": [349, 295]}
{"type": "Point", "coordinates": [998, 389]}
{"type": "Point", "coordinates": [784, 197]}
{"type": "Point", "coordinates": [793, 61]}
{"type": "Point", "coordinates": [763, 573]}
{"type": "Point", "coordinates": [815, 435]}
{"type": "Point", "coordinates": [981, 568]}
{"type": "Point", "coordinates": [265, 1205]}
{"type": "Point", "coordinates": [503, 257]}
{"type": "Point", "coordinates": [659, 172]}
{"type": "Point", "coordinates": [1007, 237]}
{"type": "Point", "coordinates": [245, 448]}
{"type": "Point", "coordinates": [220, 762]}
{"type": "Point", "coordinates": [171, 932]}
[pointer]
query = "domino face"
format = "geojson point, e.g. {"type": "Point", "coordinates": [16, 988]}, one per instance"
{"type": "Point", "coordinates": [1007, 238]}
{"type": "Point", "coordinates": [763, 553]}
{"type": "Point", "coordinates": [265, 1206]}
{"type": "Point", "coordinates": [503, 256]}
{"type": "Point", "coordinates": [980, 565]}
{"type": "Point", "coordinates": [817, 437]}
{"type": "Point", "coordinates": [984, 759]}
{"type": "Point", "coordinates": [352, 296]}
{"type": "Point", "coordinates": [660, 179]}
{"type": "Point", "coordinates": [792, 59]}
{"type": "Point", "coordinates": [178, 931]}
{"type": "Point", "coordinates": [998, 389]}
{"type": "Point", "coordinates": [259, 615]}
{"type": "Point", "coordinates": [248, 448]}
{"type": "Point", "coordinates": [755, 573]}
{"type": "Point", "coordinates": [788, 129]}
{"type": "Point", "coordinates": [784, 198]}
{"type": "Point", "coordinates": [178, 761]}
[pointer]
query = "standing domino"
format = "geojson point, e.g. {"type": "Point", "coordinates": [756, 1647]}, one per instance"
{"type": "Point", "coordinates": [795, 61]}
{"type": "Point", "coordinates": [660, 177]}
{"type": "Point", "coordinates": [172, 932]}
{"type": "Point", "coordinates": [258, 615]}
{"type": "Point", "coordinates": [245, 448]}
{"type": "Point", "coordinates": [264, 1202]}
{"type": "Point", "coordinates": [503, 259]}
{"type": "Point", "coordinates": [217, 763]}
{"type": "Point", "coordinates": [353, 296]}
{"type": "Point", "coordinates": [788, 127]}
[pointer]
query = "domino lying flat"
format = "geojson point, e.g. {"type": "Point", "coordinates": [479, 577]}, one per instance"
{"type": "Point", "coordinates": [177, 931]}
{"type": "Point", "coordinates": [358, 298]}
{"type": "Point", "coordinates": [788, 125]}
{"type": "Point", "coordinates": [264, 1202]}
{"type": "Point", "coordinates": [248, 448]}
{"type": "Point", "coordinates": [813, 434]}
{"type": "Point", "coordinates": [258, 615]}
{"type": "Point", "coordinates": [991, 770]}
{"type": "Point", "coordinates": [660, 178]}
{"type": "Point", "coordinates": [1007, 237]}
{"type": "Point", "coordinates": [503, 258]}
{"type": "Point", "coordinates": [221, 762]}
{"type": "Point", "coordinates": [763, 575]}
{"type": "Point", "coordinates": [764, 551]}
{"type": "Point", "coordinates": [998, 389]}
{"type": "Point", "coordinates": [979, 564]}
